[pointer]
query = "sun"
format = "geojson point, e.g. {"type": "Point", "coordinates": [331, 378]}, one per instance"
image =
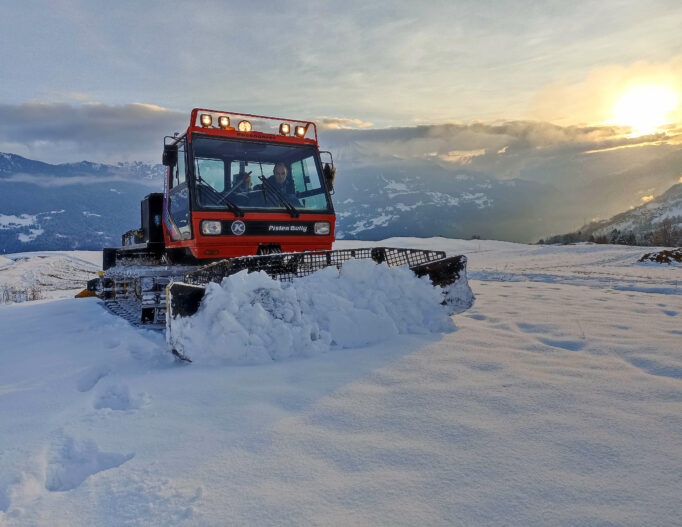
{"type": "Point", "coordinates": [645, 107]}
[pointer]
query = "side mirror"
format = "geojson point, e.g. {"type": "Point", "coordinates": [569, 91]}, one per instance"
{"type": "Point", "coordinates": [170, 155]}
{"type": "Point", "coordinates": [329, 173]}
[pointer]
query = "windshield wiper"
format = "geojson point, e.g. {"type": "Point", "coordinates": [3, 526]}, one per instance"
{"type": "Point", "coordinates": [290, 208]}
{"type": "Point", "coordinates": [222, 200]}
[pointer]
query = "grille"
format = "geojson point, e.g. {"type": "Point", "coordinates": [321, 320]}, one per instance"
{"type": "Point", "coordinates": [288, 266]}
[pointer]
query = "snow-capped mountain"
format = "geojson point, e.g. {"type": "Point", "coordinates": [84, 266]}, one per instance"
{"type": "Point", "coordinates": [70, 206]}
{"type": "Point", "coordinates": [427, 200]}
{"type": "Point", "coordinates": [639, 224]}
{"type": "Point", "coordinates": [649, 216]}
{"type": "Point", "coordinates": [13, 167]}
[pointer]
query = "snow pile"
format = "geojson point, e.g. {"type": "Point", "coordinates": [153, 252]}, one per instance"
{"type": "Point", "coordinates": [459, 296]}
{"type": "Point", "coordinates": [251, 318]}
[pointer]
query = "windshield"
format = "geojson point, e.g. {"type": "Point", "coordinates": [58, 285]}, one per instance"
{"type": "Point", "coordinates": [231, 175]}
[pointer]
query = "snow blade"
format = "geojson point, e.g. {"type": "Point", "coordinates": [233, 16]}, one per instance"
{"type": "Point", "coordinates": [184, 298]}
{"type": "Point", "coordinates": [85, 293]}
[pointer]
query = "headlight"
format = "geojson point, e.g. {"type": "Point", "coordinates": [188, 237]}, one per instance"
{"type": "Point", "coordinates": [284, 128]}
{"type": "Point", "coordinates": [206, 119]}
{"type": "Point", "coordinates": [322, 227]}
{"type": "Point", "coordinates": [210, 227]}
{"type": "Point", "coordinates": [224, 122]}
{"type": "Point", "coordinates": [244, 126]}
{"type": "Point", "coordinates": [300, 131]}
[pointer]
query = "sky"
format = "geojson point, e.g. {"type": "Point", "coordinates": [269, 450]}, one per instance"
{"type": "Point", "coordinates": [459, 81]}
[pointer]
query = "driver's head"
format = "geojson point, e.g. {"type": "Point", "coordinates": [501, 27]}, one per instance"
{"type": "Point", "coordinates": [280, 173]}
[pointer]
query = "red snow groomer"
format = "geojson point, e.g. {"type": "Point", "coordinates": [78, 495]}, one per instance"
{"type": "Point", "coordinates": [241, 192]}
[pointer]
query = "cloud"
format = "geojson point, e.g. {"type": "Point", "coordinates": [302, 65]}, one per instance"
{"type": "Point", "coordinates": [461, 157]}
{"type": "Point", "coordinates": [598, 169]}
{"type": "Point", "coordinates": [513, 141]}
{"type": "Point", "coordinates": [341, 123]}
{"type": "Point", "coordinates": [647, 199]}
{"type": "Point", "coordinates": [59, 132]}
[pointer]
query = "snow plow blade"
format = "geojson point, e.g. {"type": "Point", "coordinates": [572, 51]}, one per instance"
{"type": "Point", "coordinates": [184, 298]}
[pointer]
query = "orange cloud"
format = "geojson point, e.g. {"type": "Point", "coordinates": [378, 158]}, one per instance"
{"type": "Point", "coordinates": [462, 157]}
{"type": "Point", "coordinates": [341, 123]}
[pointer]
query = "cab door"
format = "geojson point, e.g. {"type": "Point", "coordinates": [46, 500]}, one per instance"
{"type": "Point", "coordinates": [179, 218]}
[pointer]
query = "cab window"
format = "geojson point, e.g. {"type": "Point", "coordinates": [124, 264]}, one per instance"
{"type": "Point", "coordinates": [304, 173]}
{"type": "Point", "coordinates": [180, 170]}
{"type": "Point", "coordinates": [211, 172]}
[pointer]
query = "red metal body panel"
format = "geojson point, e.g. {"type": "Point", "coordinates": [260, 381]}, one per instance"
{"type": "Point", "coordinates": [231, 246]}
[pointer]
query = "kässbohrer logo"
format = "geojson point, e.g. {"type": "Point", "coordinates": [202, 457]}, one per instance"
{"type": "Point", "coordinates": [238, 227]}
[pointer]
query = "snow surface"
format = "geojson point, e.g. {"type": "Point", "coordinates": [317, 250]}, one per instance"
{"type": "Point", "coordinates": [556, 401]}
{"type": "Point", "coordinates": [55, 274]}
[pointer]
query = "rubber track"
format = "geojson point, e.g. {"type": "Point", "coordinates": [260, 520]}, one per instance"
{"type": "Point", "coordinates": [131, 313]}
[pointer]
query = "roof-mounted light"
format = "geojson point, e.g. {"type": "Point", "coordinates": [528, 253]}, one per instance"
{"type": "Point", "coordinates": [284, 129]}
{"type": "Point", "coordinates": [206, 120]}
{"type": "Point", "coordinates": [300, 131]}
{"type": "Point", "coordinates": [224, 122]}
{"type": "Point", "coordinates": [244, 126]}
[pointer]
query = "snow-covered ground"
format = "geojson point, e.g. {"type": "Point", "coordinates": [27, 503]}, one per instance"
{"type": "Point", "coordinates": [557, 400]}
{"type": "Point", "coordinates": [48, 274]}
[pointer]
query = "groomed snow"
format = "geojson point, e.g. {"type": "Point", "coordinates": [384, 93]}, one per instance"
{"type": "Point", "coordinates": [556, 401]}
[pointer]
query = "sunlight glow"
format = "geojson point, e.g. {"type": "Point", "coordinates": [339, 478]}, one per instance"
{"type": "Point", "coordinates": [645, 107]}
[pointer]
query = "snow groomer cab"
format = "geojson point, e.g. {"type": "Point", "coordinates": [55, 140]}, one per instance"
{"type": "Point", "coordinates": [239, 184]}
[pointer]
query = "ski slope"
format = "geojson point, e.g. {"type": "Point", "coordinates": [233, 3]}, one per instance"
{"type": "Point", "coordinates": [50, 274]}
{"type": "Point", "coordinates": [555, 400]}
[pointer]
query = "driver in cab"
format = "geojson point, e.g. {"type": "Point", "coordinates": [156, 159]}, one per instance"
{"type": "Point", "coordinates": [281, 181]}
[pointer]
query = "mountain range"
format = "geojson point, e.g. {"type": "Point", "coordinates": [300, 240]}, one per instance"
{"type": "Point", "coordinates": [70, 206]}
{"type": "Point", "coordinates": [424, 199]}
{"type": "Point", "coordinates": [89, 205]}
